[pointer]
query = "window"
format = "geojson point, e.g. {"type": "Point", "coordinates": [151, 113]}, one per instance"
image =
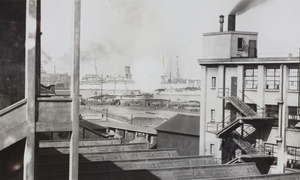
{"type": "Point", "coordinates": [213, 82]}
{"type": "Point", "coordinates": [253, 107]}
{"type": "Point", "coordinates": [272, 111]}
{"type": "Point", "coordinates": [293, 113]}
{"type": "Point", "coordinates": [240, 44]}
{"type": "Point", "coordinates": [293, 79]}
{"type": "Point", "coordinates": [212, 115]}
{"type": "Point", "coordinates": [251, 78]}
{"type": "Point", "coordinates": [212, 149]}
{"type": "Point", "coordinates": [273, 78]}
{"type": "Point", "coordinates": [294, 116]}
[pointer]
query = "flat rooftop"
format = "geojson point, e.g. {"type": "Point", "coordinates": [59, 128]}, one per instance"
{"type": "Point", "coordinates": [238, 61]}
{"type": "Point", "coordinates": [230, 32]}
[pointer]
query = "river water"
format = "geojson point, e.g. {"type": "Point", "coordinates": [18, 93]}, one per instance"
{"type": "Point", "coordinates": [173, 97]}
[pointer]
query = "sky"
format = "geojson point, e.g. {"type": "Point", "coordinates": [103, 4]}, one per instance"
{"type": "Point", "coordinates": [140, 33]}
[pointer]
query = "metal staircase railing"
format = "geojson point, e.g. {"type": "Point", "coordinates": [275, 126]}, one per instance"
{"type": "Point", "coordinates": [247, 130]}
{"type": "Point", "coordinates": [241, 106]}
{"type": "Point", "coordinates": [247, 147]}
{"type": "Point", "coordinates": [215, 127]}
{"type": "Point", "coordinates": [263, 110]}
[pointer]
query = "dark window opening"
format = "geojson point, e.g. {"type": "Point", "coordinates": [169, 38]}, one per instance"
{"type": "Point", "coordinates": [272, 111]}
{"type": "Point", "coordinates": [293, 117]}
{"type": "Point", "coordinates": [253, 107]}
{"type": "Point", "coordinates": [213, 82]}
{"type": "Point", "coordinates": [252, 49]}
{"type": "Point", "coordinates": [240, 44]}
{"type": "Point", "coordinates": [212, 149]}
{"type": "Point", "coordinates": [212, 115]}
{"type": "Point", "coordinates": [12, 52]}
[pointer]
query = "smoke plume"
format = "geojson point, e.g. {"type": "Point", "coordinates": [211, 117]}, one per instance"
{"type": "Point", "coordinates": [46, 58]}
{"type": "Point", "coordinates": [245, 5]}
{"type": "Point", "coordinates": [131, 24]}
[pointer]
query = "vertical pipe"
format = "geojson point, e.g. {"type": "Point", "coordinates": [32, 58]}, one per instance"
{"type": "Point", "coordinates": [73, 167]}
{"type": "Point", "coordinates": [281, 127]}
{"type": "Point", "coordinates": [299, 84]}
{"type": "Point", "coordinates": [221, 20]}
{"type": "Point", "coordinates": [202, 119]}
{"type": "Point", "coordinates": [223, 103]}
{"type": "Point", "coordinates": [38, 48]}
{"type": "Point", "coordinates": [30, 88]}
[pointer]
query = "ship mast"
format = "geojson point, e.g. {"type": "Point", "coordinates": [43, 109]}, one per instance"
{"type": "Point", "coordinates": [95, 65]}
{"type": "Point", "coordinates": [178, 74]}
{"type": "Point", "coordinates": [96, 71]}
{"type": "Point", "coordinates": [170, 79]}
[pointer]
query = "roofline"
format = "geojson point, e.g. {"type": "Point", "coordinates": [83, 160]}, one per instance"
{"type": "Point", "coordinates": [238, 61]}
{"type": "Point", "coordinates": [230, 32]}
{"type": "Point", "coordinates": [181, 133]}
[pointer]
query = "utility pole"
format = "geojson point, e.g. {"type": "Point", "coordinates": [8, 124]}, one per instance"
{"type": "Point", "coordinates": [74, 141]}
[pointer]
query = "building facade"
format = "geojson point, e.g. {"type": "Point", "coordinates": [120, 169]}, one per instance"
{"type": "Point", "coordinates": [256, 99]}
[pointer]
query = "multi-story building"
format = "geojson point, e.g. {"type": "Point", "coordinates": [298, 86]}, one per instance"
{"type": "Point", "coordinates": [248, 104]}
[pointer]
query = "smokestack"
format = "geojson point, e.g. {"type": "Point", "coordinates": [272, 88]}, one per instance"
{"type": "Point", "coordinates": [221, 22]}
{"type": "Point", "coordinates": [231, 22]}
{"type": "Point", "coordinates": [127, 72]}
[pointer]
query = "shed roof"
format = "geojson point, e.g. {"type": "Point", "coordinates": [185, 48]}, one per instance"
{"type": "Point", "coordinates": [182, 124]}
{"type": "Point", "coordinates": [91, 125]}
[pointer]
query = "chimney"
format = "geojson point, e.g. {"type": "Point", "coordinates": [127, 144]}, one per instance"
{"type": "Point", "coordinates": [231, 22]}
{"type": "Point", "coordinates": [127, 72]}
{"type": "Point", "coordinates": [221, 22]}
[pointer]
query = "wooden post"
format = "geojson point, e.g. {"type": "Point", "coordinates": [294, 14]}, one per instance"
{"type": "Point", "coordinates": [74, 142]}
{"type": "Point", "coordinates": [30, 87]}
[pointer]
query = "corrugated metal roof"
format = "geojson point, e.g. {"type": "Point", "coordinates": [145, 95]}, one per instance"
{"type": "Point", "coordinates": [182, 124]}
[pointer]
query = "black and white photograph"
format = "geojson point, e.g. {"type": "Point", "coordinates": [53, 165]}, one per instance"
{"type": "Point", "coordinates": [149, 89]}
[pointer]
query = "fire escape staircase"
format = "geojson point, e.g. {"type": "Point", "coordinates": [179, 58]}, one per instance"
{"type": "Point", "coordinates": [241, 106]}
{"type": "Point", "coordinates": [244, 145]}
{"type": "Point", "coordinates": [241, 129]}
{"type": "Point", "coordinates": [244, 109]}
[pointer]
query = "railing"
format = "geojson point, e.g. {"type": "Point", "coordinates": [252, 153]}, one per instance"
{"type": "Point", "coordinates": [215, 127]}
{"type": "Point", "coordinates": [88, 133]}
{"type": "Point", "coordinates": [226, 92]}
{"type": "Point", "coordinates": [232, 156]}
{"type": "Point", "coordinates": [292, 156]}
{"type": "Point", "coordinates": [263, 110]}
{"type": "Point", "coordinates": [254, 150]}
{"type": "Point", "coordinates": [246, 131]}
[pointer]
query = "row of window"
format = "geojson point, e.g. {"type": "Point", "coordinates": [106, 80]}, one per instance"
{"type": "Point", "coordinates": [293, 154]}
{"type": "Point", "coordinates": [272, 79]}
{"type": "Point", "coordinates": [272, 111]}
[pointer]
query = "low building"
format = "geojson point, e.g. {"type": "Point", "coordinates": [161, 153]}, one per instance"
{"type": "Point", "coordinates": [180, 132]}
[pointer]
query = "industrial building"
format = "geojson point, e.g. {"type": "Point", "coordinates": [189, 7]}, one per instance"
{"type": "Point", "coordinates": [249, 105]}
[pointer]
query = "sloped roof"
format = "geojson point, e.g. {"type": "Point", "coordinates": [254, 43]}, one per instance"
{"type": "Point", "coordinates": [91, 125]}
{"type": "Point", "coordinates": [182, 124]}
